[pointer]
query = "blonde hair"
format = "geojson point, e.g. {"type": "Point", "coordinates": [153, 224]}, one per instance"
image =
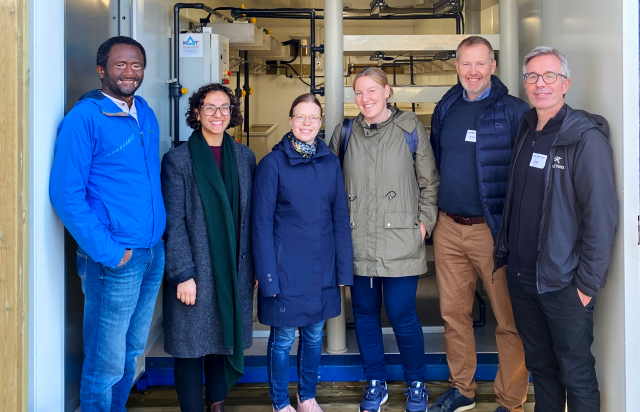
{"type": "Point", "coordinates": [377, 75]}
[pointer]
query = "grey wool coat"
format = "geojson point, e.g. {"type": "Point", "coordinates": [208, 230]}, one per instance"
{"type": "Point", "coordinates": [195, 331]}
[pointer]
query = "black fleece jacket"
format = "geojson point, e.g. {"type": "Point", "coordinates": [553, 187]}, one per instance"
{"type": "Point", "coordinates": [579, 208]}
{"type": "Point", "coordinates": [528, 193]}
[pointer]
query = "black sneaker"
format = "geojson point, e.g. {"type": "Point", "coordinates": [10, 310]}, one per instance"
{"type": "Point", "coordinates": [452, 401]}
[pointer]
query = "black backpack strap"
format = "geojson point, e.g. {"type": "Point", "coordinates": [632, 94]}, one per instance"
{"type": "Point", "coordinates": [342, 145]}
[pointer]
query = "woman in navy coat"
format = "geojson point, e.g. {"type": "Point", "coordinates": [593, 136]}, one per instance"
{"type": "Point", "coordinates": [302, 250]}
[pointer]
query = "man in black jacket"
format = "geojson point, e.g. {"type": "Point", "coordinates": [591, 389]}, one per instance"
{"type": "Point", "coordinates": [557, 233]}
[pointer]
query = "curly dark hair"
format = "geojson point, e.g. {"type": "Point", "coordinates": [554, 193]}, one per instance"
{"type": "Point", "coordinates": [105, 48]}
{"type": "Point", "coordinates": [197, 99]}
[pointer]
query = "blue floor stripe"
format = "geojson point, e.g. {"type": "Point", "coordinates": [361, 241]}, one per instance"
{"type": "Point", "coordinates": [342, 368]}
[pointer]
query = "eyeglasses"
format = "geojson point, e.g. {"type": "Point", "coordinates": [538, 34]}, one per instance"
{"type": "Point", "coordinates": [210, 110]}
{"type": "Point", "coordinates": [314, 118]}
{"type": "Point", "coordinates": [547, 77]}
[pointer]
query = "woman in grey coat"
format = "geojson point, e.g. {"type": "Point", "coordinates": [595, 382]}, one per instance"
{"type": "Point", "coordinates": [209, 277]}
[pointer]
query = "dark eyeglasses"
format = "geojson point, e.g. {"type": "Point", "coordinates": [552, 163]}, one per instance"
{"type": "Point", "coordinates": [210, 110]}
{"type": "Point", "coordinates": [547, 77]}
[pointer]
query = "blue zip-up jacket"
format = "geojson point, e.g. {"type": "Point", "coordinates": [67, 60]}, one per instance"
{"type": "Point", "coordinates": [105, 179]}
{"type": "Point", "coordinates": [495, 136]}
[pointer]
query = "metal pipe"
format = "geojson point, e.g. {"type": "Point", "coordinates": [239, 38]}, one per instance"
{"type": "Point", "coordinates": [334, 106]}
{"type": "Point", "coordinates": [246, 96]}
{"type": "Point", "coordinates": [411, 82]}
{"type": "Point", "coordinates": [509, 48]}
{"type": "Point", "coordinates": [291, 13]}
{"type": "Point", "coordinates": [238, 88]}
{"type": "Point", "coordinates": [334, 65]}
{"type": "Point", "coordinates": [394, 72]}
{"type": "Point", "coordinates": [472, 13]}
{"type": "Point", "coordinates": [392, 17]}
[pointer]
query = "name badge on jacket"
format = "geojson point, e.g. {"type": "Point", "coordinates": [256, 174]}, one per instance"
{"type": "Point", "coordinates": [538, 160]}
{"type": "Point", "coordinates": [471, 136]}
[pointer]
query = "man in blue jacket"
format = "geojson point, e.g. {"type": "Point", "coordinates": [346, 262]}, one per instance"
{"type": "Point", "coordinates": [557, 233]}
{"type": "Point", "coordinates": [473, 129]}
{"type": "Point", "coordinates": [105, 187]}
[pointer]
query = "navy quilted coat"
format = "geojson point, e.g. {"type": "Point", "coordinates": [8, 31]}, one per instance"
{"type": "Point", "coordinates": [496, 133]}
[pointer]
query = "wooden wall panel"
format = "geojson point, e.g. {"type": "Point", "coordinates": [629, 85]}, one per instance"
{"type": "Point", "coordinates": [14, 202]}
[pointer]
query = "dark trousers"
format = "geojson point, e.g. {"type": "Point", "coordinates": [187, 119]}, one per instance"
{"type": "Point", "coordinates": [557, 333]}
{"type": "Point", "coordinates": [188, 377]}
{"type": "Point", "coordinates": [400, 305]}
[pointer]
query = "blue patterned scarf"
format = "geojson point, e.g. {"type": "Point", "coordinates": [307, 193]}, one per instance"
{"type": "Point", "coordinates": [306, 150]}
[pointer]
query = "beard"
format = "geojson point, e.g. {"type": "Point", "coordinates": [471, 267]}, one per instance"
{"type": "Point", "coordinates": [479, 87]}
{"type": "Point", "coordinates": [112, 84]}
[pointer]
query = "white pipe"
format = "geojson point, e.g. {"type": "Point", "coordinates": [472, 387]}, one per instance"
{"type": "Point", "coordinates": [509, 51]}
{"type": "Point", "coordinates": [333, 65]}
{"type": "Point", "coordinates": [334, 108]}
{"type": "Point", "coordinates": [337, 330]}
{"type": "Point", "coordinates": [472, 17]}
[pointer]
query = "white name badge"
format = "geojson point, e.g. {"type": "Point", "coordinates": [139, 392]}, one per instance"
{"type": "Point", "coordinates": [538, 160]}
{"type": "Point", "coordinates": [471, 136]}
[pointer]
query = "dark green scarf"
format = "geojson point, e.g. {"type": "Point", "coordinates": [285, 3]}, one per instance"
{"type": "Point", "coordinates": [219, 195]}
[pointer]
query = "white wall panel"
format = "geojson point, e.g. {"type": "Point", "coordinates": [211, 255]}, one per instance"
{"type": "Point", "coordinates": [589, 33]}
{"type": "Point", "coordinates": [46, 233]}
{"type": "Point", "coordinates": [530, 36]}
{"type": "Point", "coordinates": [153, 21]}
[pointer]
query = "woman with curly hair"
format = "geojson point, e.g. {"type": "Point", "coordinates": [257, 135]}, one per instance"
{"type": "Point", "coordinates": [209, 280]}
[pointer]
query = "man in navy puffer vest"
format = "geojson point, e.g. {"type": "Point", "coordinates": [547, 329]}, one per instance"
{"type": "Point", "coordinates": [473, 129]}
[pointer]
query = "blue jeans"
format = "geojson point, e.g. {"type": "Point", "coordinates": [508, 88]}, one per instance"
{"type": "Point", "coordinates": [400, 304]}
{"type": "Point", "coordinates": [118, 307]}
{"type": "Point", "coordinates": [309, 354]}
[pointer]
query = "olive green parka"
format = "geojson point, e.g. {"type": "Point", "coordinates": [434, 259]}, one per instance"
{"type": "Point", "coordinates": [387, 196]}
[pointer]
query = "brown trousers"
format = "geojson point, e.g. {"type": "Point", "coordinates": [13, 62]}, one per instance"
{"type": "Point", "coordinates": [462, 253]}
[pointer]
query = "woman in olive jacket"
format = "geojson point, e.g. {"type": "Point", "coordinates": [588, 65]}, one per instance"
{"type": "Point", "coordinates": [392, 200]}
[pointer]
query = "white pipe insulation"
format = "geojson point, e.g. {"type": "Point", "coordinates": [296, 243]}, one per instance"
{"type": "Point", "coordinates": [334, 113]}
{"type": "Point", "coordinates": [509, 62]}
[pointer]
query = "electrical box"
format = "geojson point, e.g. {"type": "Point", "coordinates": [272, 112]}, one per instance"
{"type": "Point", "coordinates": [204, 59]}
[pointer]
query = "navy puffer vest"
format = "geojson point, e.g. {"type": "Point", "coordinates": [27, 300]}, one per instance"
{"type": "Point", "coordinates": [495, 135]}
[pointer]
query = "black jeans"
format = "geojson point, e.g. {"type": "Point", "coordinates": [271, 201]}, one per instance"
{"type": "Point", "coordinates": [188, 377]}
{"type": "Point", "coordinates": [557, 333]}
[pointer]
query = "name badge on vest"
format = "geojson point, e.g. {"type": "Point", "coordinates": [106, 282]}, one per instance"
{"type": "Point", "coordinates": [538, 161]}
{"type": "Point", "coordinates": [471, 136]}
